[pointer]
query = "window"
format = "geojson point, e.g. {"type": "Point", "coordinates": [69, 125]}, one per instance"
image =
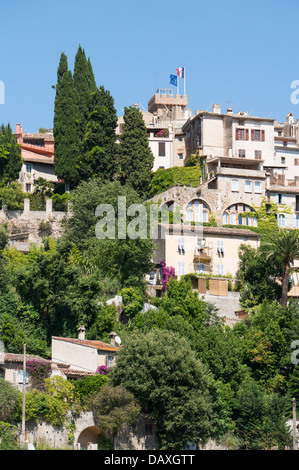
{"type": "Point", "coordinates": [220, 269]}
{"type": "Point", "coordinates": [258, 154]}
{"type": "Point", "coordinates": [197, 211]}
{"type": "Point", "coordinates": [283, 160]}
{"type": "Point", "coordinates": [148, 429]}
{"type": "Point", "coordinates": [279, 198]}
{"type": "Point", "coordinates": [162, 149]}
{"type": "Point", "coordinates": [220, 251]}
{"type": "Point", "coordinates": [233, 218]}
{"type": "Point", "coordinates": [258, 135]}
{"type": "Point", "coordinates": [200, 268]}
{"type": "Point", "coordinates": [28, 167]}
{"type": "Point", "coordinates": [242, 153]}
{"type": "Point", "coordinates": [28, 188]}
{"type": "Point", "coordinates": [180, 138]}
{"type": "Point", "coordinates": [205, 216]}
{"type": "Point", "coordinates": [248, 187]}
{"type": "Point", "coordinates": [242, 134]}
{"type": "Point", "coordinates": [257, 187]}
{"type": "Point", "coordinates": [235, 185]}
{"type": "Point", "coordinates": [296, 221]}
{"type": "Point", "coordinates": [181, 268]}
{"type": "Point", "coordinates": [181, 245]}
{"type": "Point", "coordinates": [132, 428]}
{"type": "Point", "coordinates": [110, 361]}
{"type": "Point", "coordinates": [180, 156]}
{"type": "Point", "coordinates": [297, 203]}
{"type": "Point", "coordinates": [281, 220]}
{"type": "Point", "coordinates": [296, 161]}
{"type": "Point", "coordinates": [225, 218]}
{"type": "Point", "coordinates": [21, 375]}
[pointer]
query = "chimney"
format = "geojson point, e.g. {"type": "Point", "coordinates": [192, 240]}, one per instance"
{"type": "Point", "coordinates": [19, 133]}
{"type": "Point", "coordinates": [112, 340]}
{"type": "Point", "coordinates": [216, 109]}
{"type": "Point", "coordinates": [81, 335]}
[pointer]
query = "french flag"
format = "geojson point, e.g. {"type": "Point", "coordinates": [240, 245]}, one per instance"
{"type": "Point", "coordinates": [181, 72]}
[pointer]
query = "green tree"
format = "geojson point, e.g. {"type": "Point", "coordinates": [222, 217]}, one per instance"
{"type": "Point", "coordinates": [66, 130]}
{"type": "Point", "coordinates": [10, 155]}
{"type": "Point", "coordinates": [285, 247]}
{"type": "Point", "coordinates": [85, 85]}
{"type": "Point", "coordinates": [9, 400]}
{"type": "Point", "coordinates": [98, 146]}
{"type": "Point", "coordinates": [12, 196]}
{"type": "Point", "coordinates": [43, 188]}
{"type": "Point", "coordinates": [135, 156]}
{"type": "Point", "coordinates": [258, 277]}
{"type": "Point", "coordinates": [168, 380]}
{"type": "Point", "coordinates": [114, 407]}
{"type": "Point", "coordinates": [261, 417]}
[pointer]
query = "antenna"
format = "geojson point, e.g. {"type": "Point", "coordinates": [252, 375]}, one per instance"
{"type": "Point", "coordinates": [210, 104]}
{"type": "Point", "coordinates": [117, 340]}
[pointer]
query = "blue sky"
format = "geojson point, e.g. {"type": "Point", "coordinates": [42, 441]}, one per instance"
{"type": "Point", "coordinates": [240, 53]}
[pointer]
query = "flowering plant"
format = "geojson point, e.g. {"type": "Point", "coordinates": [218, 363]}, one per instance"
{"type": "Point", "coordinates": [102, 370]}
{"type": "Point", "coordinates": [167, 273]}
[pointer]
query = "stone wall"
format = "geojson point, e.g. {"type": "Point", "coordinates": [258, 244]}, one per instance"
{"type": "Point", "coordinates": [29, 226]}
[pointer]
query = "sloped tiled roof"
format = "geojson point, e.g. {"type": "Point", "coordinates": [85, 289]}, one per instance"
{"type": "Point", "coordinates": [89, 343]}
{"type": "Point", "coordinates": [10, 357]}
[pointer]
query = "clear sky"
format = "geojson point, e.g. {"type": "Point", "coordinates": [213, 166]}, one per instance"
{"type": "Point", "coordinates": [244, 54]}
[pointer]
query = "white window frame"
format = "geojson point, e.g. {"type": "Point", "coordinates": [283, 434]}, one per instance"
{"type": "Point", "coordinates": [248, 183]}
{"type": "Point", "coordinates": [257, 187]}
{"type": "Point", "coordinates": [235, 185]}
{"type": "Point", "coordinates": [281, 220]}
{"type": "Point", "coordinates": [181, 268]}
{"type": "Point", "coordinates": [220, 269]}
{"type": "Point", "coordinates": [201, 268]}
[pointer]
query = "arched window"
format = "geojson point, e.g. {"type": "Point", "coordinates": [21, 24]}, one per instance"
{"type": "Point", "coordinates": [197, 211]}
{"type": "Point", "coordinates": [236, 215]}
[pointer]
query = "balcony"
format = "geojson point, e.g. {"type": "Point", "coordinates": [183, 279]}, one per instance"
{"type": "Point", "coordinates": [202, 254]}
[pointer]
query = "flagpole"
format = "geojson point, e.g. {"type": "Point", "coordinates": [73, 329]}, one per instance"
{"type": "Point", "coordinates": [184, 80]}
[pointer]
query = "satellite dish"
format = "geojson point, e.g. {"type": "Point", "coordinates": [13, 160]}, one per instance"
{"type": "Point", "coordinates": [117, 340]}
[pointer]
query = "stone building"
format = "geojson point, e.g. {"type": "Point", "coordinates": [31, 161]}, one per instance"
{"type": "Point", "coordinates": [84, 355]}
{"type": "Point", "coordinates": [166, 115]}
{"type": "Point", "coordinates": [37, 150]}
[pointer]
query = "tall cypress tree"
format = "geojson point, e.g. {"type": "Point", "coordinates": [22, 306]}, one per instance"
{"type": "Point", "coordinates": [135, 156]}
{"type": "Point", "coordinates": [85, 85]}
{"type": "Point", "coordinates": [66, 116]}
{"type": "Point", "coordinates": [99, 144]}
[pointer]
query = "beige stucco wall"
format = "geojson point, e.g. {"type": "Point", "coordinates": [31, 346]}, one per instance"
{"type": "Point", "coordinates": [80, 357]}
{"type": "Point", "coordinates": [230, 243]}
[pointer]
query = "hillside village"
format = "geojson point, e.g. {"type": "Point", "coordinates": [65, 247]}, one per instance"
{"type": "Point", "coordinates": [86, 311]}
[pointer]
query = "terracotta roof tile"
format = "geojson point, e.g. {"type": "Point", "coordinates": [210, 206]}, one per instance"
{"type": "Point", "coordinates": [10, 357]}
{"type": "Point", "coordinates": [89, 343]}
